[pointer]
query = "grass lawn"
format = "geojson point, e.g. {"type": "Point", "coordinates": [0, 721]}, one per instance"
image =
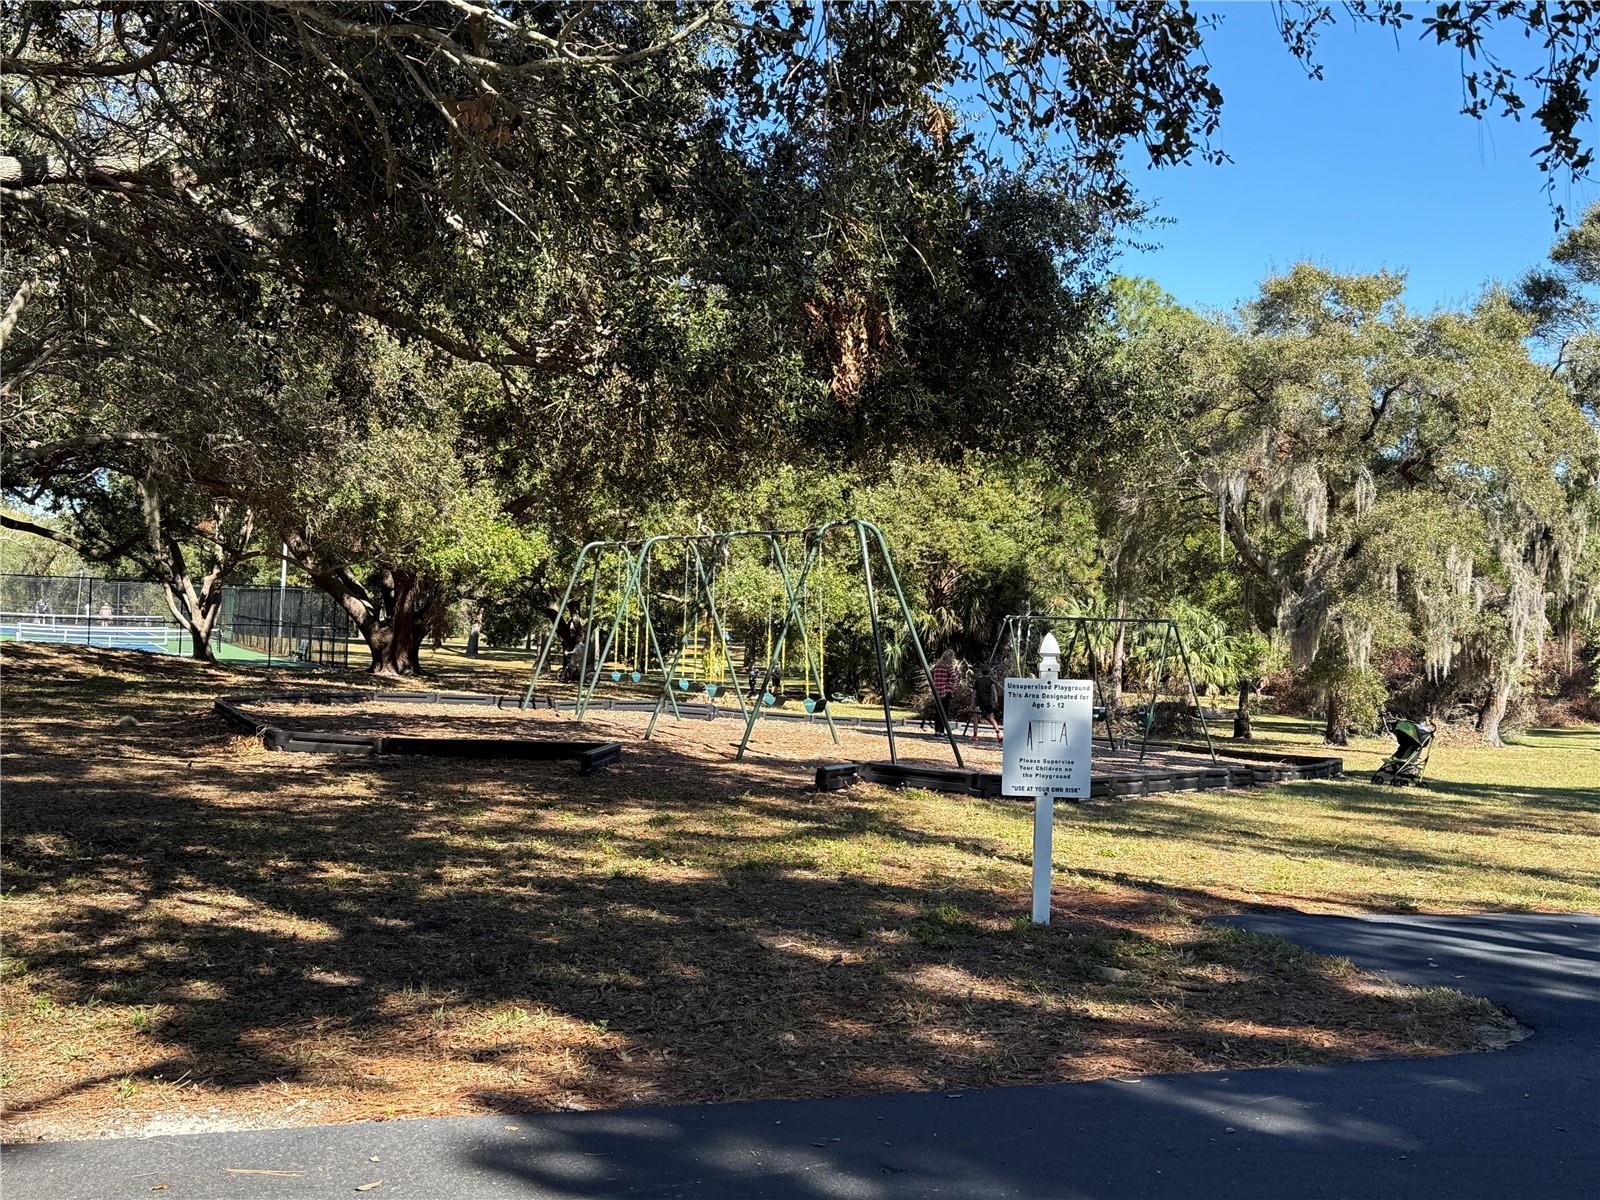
{"type": "Point", "coordinates": [202, 934]}
{"type": "Point", "coordinates": [1515, 828]}
{"type": "Point", "coordinates": [493, 670]}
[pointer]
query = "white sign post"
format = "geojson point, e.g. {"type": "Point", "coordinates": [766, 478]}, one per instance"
{"type": "Point", "coordinates": [1048, 740]}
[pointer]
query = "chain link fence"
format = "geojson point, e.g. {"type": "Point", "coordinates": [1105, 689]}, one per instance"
{"type": "Point", "coordinates": [287, 625]}
{"type": "Point", "coordinates": [268, 625]}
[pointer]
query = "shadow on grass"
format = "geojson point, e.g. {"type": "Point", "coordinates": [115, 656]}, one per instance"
{"type": "Point", "coordinates": [671, 929]}
{"type": "Point", "coordinates": [1565, 799]}
{"type": "Point", "coordinates": [1435, 809]}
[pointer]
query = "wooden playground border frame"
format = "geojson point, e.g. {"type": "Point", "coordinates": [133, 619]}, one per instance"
{"type": "Point", "coordinates": [590, 755]}
{"type": "Point", "coordinates": [1254, 769]}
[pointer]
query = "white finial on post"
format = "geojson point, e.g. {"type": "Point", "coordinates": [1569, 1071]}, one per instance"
{"type": "Point", "coordinates": [1049, 657]}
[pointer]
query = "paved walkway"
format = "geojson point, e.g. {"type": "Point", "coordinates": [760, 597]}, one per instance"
{"type": "Point", "coordinates": [1524, 1122]}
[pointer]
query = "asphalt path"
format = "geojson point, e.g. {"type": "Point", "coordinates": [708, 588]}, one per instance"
{"type": "Point", "coordinates": [1521, 1122]}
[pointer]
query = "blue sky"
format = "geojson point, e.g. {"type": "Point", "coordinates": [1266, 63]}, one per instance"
{"type": "Point", "coordinates": [1373, 166]}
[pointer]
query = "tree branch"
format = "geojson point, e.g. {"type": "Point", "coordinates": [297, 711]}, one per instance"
{"type": "Point", "coordinates": [13, 313]}
{"type": "Point", "coordinates": [1240, 538]}
{"type": "Point", "coordinates": [1378, 407]}
{"type": "Point", "coordinates": [44, 458]}
{"type": "Point", "coordinates": [82, 548]}
{"type": "Point", "coordinates": [36, 68]}
{"type": "Point", "coordinates": [558, 56]}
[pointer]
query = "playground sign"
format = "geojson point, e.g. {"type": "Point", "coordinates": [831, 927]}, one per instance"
{"type": "Point", "coordinates": [1048, 743]}
{"type": "Point", "coordinates": [1048, 726]}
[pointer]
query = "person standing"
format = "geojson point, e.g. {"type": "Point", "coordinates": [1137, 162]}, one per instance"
{"type": "Point", "coordinates": [986, 703]}
{"type": "Point", "coordinates": [945, 677]}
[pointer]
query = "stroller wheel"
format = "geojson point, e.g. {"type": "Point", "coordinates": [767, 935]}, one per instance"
{"type": "Point", "coordinates": [1379, 777]}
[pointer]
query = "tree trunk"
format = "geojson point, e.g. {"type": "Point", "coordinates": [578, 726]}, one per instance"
{"type": "Point", "coordinates": [421, 634]}
{"type": "Point", "coordinates": [198, 611]}
{"type": "Point", "coordinates": [396, 643]}
{"type": "Point", "coordinates": [393, 652]}
{"type": "Point", "coordinates": [569, 634]}
{"type": "Point", "coordinates": [1493, 712]}
{"type": "Point", "coordinates": [386, 611]}
{"type": "Point", "coordinates": [1119, 656]}
{"type": "Point", "coordinates": [200, 623]}
{"type": "Point", "coordinates": [1334, 731]}
{"type": "Point", "coordinates": [195, 609]}
{"type": "Point", "coordinates": [196, 621]}
{"type": "Point", "coordinates": [1241, 716]}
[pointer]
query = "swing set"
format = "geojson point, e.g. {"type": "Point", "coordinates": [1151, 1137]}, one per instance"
{"type": "Point", "coordinates": [705, 557]}
{"type": "Point", "coordinates": [1017, 635]}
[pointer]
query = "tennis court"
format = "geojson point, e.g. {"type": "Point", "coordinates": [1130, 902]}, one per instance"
{"type": "Point", "coordinates": [145, 631]}
{"type": "Point", "coordinates": [134, 631]}
{"type": "Point", "coordinates": [271, 626]}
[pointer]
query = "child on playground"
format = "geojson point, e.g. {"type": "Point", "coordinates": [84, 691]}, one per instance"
{"type": "Point", "coordinates": [986, 703]}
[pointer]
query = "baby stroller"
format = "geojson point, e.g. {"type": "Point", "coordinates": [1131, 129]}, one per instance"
{"type": "Point", "coordinates": [1410, 757]}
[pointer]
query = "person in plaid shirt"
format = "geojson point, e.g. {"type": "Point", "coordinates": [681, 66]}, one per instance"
{"type": "Point", "coordinates": [945, 678]}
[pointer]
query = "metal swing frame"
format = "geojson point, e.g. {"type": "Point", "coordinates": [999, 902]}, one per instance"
{"type": "Point", "coordinates": [866, 535]}
{"type": "Point", "coordinates": [1015, 632]}
{"type": "Point", "coordinates": [700, 547]}
{"type": "Point", "coordinates": [706, 552]}
{"type": "Point", "coordinates": [592, 555]}
{"type": "Point", "coordinates": [698, 550]}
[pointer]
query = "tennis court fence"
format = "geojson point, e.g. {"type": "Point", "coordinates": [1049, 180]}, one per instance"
{"type": "Point", "coordinates": [268, 625]}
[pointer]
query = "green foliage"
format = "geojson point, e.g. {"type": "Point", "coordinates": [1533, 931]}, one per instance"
{"type": "Point", "coordinates": [1255, 656]}
{"type": "Point", "coordinates": [972, 541]}
{"type": "Point", "coordinates": [1355, 694]}
{"type": "Point", "coordinates": [1380, 478]}
{"type": "Point", "coordinates": [428, 293]}
{"type": "Point", "coordinates": [1211, 648]}
{"type": "Point", "coordinates": [401, 496]}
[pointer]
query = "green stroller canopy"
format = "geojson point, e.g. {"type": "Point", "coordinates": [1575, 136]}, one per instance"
{"type": "Point", "coordinates": [1410, 738]}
